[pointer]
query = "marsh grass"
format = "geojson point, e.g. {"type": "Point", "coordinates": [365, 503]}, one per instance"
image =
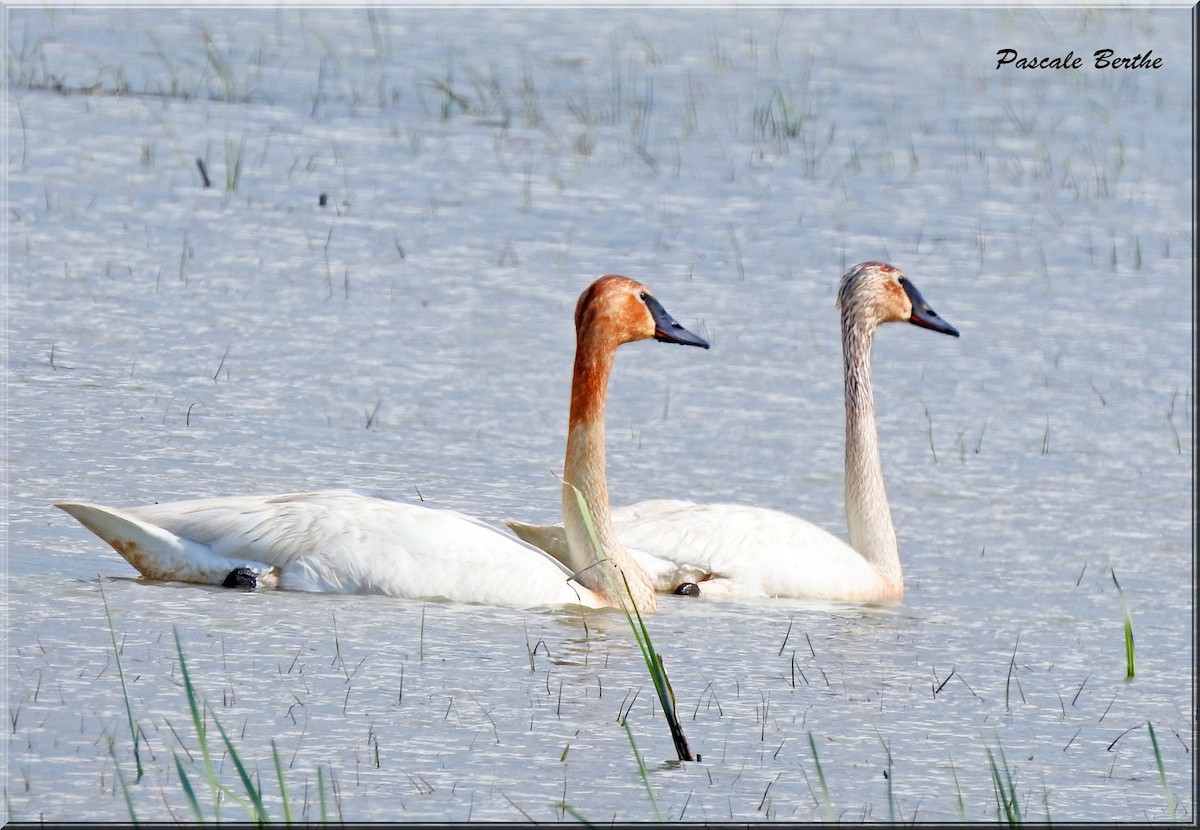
{"type": "Point", "coordinates": [222, 67]}
{"type": "Point", "coordinates": [641, 763]}
{"type": "Point", "coordinates": [1162, 773]}
{"type": "Point", "coordinates": [124, 785]}
{"type": "Point", "coordinates": [642, 773]}
{"type": "Point", "coordinates": [1130, 668]}
{"type": "Point", "coordinates": [962, 805]}
{"type": "Point", "coordinates": [251, 797]}
{"type": "Point", "coordinates": [235, 152]}
{"type": "Point", "coordinates": [824, 801]}
{"type": "Point", "coordinates": [1012, 665]}
{"type": "Point", "coordinates": [888, 774]}
{"type": "Point", "coordinates": [779, 120]}
{"type": "Point", "coordinates": [185, 254]}
{"type": "Point", "coordinates": [653, 660]}
{"type": "Point", "coordinates": [195, 707]}
{"type": "Point", "coordinates": [1007, 806]}
{"type": "Point", "coordinates": [218, 756]}
{"type": "Point", "coordinates": [133, 729]}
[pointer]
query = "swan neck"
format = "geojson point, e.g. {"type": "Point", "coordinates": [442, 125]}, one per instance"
{"type": "Point", "coordinates": [606, 571]}
{"type": "Point", "coordinates": [867, 512]}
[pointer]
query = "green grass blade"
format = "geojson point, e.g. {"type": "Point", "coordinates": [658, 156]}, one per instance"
{"type": "Point", "coordinates": [1007, 807]}
{"type": "Point", "coordinates": [654, 663]}
{"type": "Point", "coordinates": [575, 814]}
{"type": "Point", "coordinates": [287, 807]}
{"type": "Point", "coordinates": [642, 771]}
{"type": "Point", "coordinates": [888, 774]}
{"type": "Point", "coordinates": [186, 783]}
{"type": "Point", "coordinates": [1129, 662]}
{"type": "Point", "coordinates": [812, 744]}
{"type": "Point", "coordinates": [193, 705]}
{"type": "Point", "coordinates": [197, 709]}
{"type": "Point", "coordinates": [962, 807]}
{"type": "Point", "coordinates": [133, 730]}
{"type": "Point", "coordinates": [590, 526]}
{"type": "Point", "coordinates": [124, 786]}
{"type": "Point", "coordinates": [997, 786]}
{"type": "Point", "coordinates": [1162, 772]}
{"type": "Point", "coordinates": [321, 793]}
{"type": "Point", "coordinates": [260, 813]}
{"type": "Point", "coordinates": [662, 685]}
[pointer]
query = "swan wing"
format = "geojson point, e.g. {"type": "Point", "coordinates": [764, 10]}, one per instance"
{"type": "Point", "coordinates": [731, 551]}
{"type": "Point", "coordinates": [336, 541]}
{"type": "Point", "coordinates": [156, 552]}
{"type": "Point", "coordinates": [665, 574]}
{"type": "Point", "coordinates": [754, 551]}
{"type": "Point", "coordinates": [550, 538]}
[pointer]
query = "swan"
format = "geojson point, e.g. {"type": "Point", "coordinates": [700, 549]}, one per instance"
{"type": "Point", "coordinates": [735, 551]}
{"type": "Point", "coordinates": [345, 541]}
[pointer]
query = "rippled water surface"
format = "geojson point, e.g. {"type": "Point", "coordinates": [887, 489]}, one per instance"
{"type": "Point", "coordinates": [413, 334]}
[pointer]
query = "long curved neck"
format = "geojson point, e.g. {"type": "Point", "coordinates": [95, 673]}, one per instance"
{"type": "Point", "coordinates": [584, 470]}
{"type": "Point", "coordinates": [867, 511]}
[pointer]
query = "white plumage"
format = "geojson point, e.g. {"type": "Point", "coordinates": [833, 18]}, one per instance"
{"type": "Point", "coordinates": [335, 541]}
{"type": "Point", "coordinates": [743, 551]}
{"type": "Point", "coordinates": [343, 541]}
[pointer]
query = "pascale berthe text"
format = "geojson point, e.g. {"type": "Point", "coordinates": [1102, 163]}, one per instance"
{"type": "Point", "coordinates": [1101, 59]}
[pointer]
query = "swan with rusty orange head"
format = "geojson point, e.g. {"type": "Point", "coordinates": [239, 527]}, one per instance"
{"type": "Point", "coordinates": [737, 551]}
{"type": "Point", "coordinates": [342, 541]}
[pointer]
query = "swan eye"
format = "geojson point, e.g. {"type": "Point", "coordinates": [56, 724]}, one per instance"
{"type": "Point", "coordinates": [901, 280]}
{"type": "Point", "coordinates": [642, 295]}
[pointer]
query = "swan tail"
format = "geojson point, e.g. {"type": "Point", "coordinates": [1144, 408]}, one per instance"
{"type": "Point", "coordinates": [550, 538]}
{"type": "Point", "coordinates": [158, 554]}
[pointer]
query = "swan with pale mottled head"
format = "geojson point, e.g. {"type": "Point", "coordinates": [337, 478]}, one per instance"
{"type": "Point", "coordinates": [341, 541]}
{"type": "Point", "coordinates": [735, 551]}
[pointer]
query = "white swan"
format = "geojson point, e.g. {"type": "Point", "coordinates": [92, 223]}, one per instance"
{"type": "Point", "coordinates": [740, 551]}
{"type": "Point", "coordinates": [342, 541]}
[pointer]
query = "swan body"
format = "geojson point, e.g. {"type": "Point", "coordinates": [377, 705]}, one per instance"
{"type": "Point", "coordinates": [731, 551]}
{"type": "Point", "coordinates": [734, 551]}
{"type": "Point", "coordinates": [334, 541]}
{"type": "Point", "coordinates": [343, 541]}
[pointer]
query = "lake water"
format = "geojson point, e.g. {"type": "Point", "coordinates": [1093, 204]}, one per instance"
{"type": "Point", "coordinates": [480, 167]}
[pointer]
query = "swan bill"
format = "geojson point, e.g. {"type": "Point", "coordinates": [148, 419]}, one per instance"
{"type": "Point", "coordinates": [667, 330]}
{"type": "Point", "coordinates": [922, 314]}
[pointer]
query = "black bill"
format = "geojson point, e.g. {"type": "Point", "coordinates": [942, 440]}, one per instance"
{"type": "Point", "coordinates": [668, 331]}
{"type": "Point", "coordinates": [923, 315]}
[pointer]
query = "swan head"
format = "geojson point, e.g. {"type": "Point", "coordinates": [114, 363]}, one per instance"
{"type": "Point", "coordinates": [624, 310]}
{"type": "Point", "coordinates": [875, 292]}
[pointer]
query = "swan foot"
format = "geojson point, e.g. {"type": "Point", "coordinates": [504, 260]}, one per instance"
{"type": "Point", "coordinates": [687, 589]}
{"type": "Point", "coordinates": [241, 578]}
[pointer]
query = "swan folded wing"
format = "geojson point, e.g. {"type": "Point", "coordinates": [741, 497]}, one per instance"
{"type": "Point", "coordinates": [732, 551]}
{"type": "Point", "coordinates": [748, 551]}
{"type": "Point", "coordinates": [345, 542]}
{"type": "Point", "coordinates": [665, 575]}
{"type": "Point", "coordinates": [655, 539]}
{"type": "Point", "coordinates": [157, 553]}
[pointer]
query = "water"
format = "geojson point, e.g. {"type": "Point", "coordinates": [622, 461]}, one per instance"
{"type": "Point", "coordinates": [414, 335]}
